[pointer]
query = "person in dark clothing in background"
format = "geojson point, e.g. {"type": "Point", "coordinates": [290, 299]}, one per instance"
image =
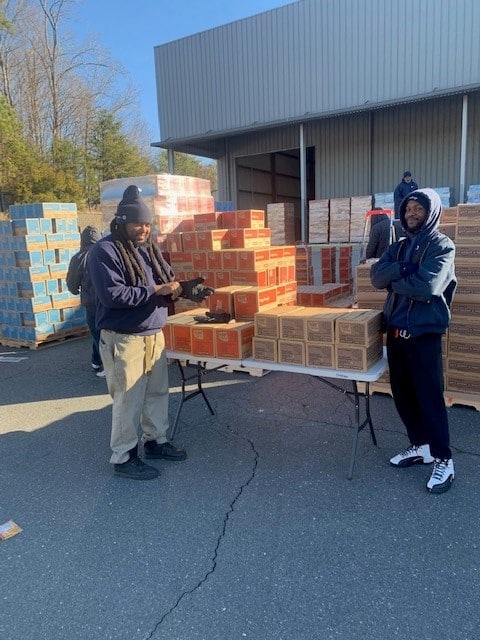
{"type": "Point", "coordinates": [419, 274]}
{"type": "Point", "coordinates": [78, 282]}
{"type": "Point", "coordinates": [380, 235]}
{"type": "Point", "coordinates": [406, 186]}
{"type": "Point", "coordinates": [134, 286]}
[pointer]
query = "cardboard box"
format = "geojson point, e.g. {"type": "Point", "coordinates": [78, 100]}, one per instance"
{"type": "Point", "coordinates": [265, 349]}
{"type": "Point", "coordinates": [267, 322]}
{"type": "Point", "coordinates": [199, 260]}
{"type": "Point", "coordinates": [291, 352]}
{"type": "Point", "coordinates": [250, 300]}
{"type": "Point", "coordinates": [292, 324]}
{"type": "Point", "coordinates": [253, 259]}
{"type": "Point", "coordinates": [234, 340]}
{"type": "Point", "coordinates": [320, 328]}
{"type": "Point", "coordinates": [250, 278]}
{"type": "Point", "coordinates": [222, 300]}
{"type": "Point", "coordinates": [358, 358]}
{"type": "Point", "coordinates": [230, 259]}
{"type": "Point", "coordinates": [189, 241]}
{"type": "Point", "coordinates": [460, 383]}
{"type": "Point", "coordinates": [223, 278]}
{"type": "Point", "coordinates": [249, 238]}
{"type": "Point", "coordinates": [320, 355]}
{"type": "Point", "coordinates": [180, 330]}
{"type": "Point", "coordinates": [203, 339]}
{"type": "Point", "coordinates": [214, 260]}
{"type": "Point", "coordinates": [214, 240]}
{"type": "Point", "coordinates": [250, 218]}
{"type": "Point", "coordinates": [360, 328]}
{"type": "Point", "coordinates": [205, 221]}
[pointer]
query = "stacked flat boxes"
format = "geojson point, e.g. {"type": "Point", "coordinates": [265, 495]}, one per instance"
{"type": "Point", "coordinates": [319, 337]}
{"type": "Point", "coordinates": [366, 296]}
{"type": "Point", "coordinates": [318, 221]}
{"type": "Point", "coordinates": [173, 200]}
{"type": "Point", "coordinates": [281, 221]}
{"type": "Point", "coordinates": [36, 246]}
{"type": "Point", "coordinates": [304, 264]}
{"type": "Point", "coordinates": [463, 362]}
{"type": "Point", "coordinates": [339, 230]}
{"type": "Point", "coordinates": [359, 205]}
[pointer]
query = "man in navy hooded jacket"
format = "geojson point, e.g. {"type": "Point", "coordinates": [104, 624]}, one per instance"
{"type": "Point", "coordinates": [134, 286]}
{"type": "Point", "coordinates": [419, 274]}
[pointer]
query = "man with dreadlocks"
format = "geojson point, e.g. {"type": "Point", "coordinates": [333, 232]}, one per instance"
{"type": "Point", "coordinates": [134, 286]}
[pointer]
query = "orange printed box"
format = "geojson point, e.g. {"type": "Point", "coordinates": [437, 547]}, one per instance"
{"type": "Point", "coordinates": [167, 336]}
{"type": "Point", "coordinates": [174, 242]}
{"type": "Point", "coordinates": [180, 326]}
{"type": "Point", "coordinates": [247, 303]}
{"type": "Point", "coordinates": [205, 221]}
{"type": "Point", "coordinates": [230, 259]}
{"type": "Point", "coordinates": [234, 340]}
{"type": "Point", "coordinates": [203, 340]}
{"type": "Point", "coordinates": [199, 260]}
{"type": "Point", "coordinates": [252, 278]}
{"type": "Point", "coordinates": [226, 220]}
{"type": "Point", "coordinates": [250, 218]}
{"type": "Point", "coordinates": [210, 278]}
{"type": "Point", "coordinates": [189, 241]}
{"type": "Point", "coordinates": [222, 299]}
{"type": "Point", "coordinates": [223, 278]}
{"type": "Point", "coordinates": [214, 240]}
{"type": "Point", "coordinates": [182, 260]}
{"type": "Point", "coordinates": [254, 259]}
{"type": "Point", "coordinates": [215, 259]}
{"type": "Point", "coordinates": [249, 238]}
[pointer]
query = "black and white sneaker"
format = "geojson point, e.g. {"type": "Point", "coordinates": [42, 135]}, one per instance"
{"type": "Point", "coordinates": [413, 455]}
{"type": "Point", "coordinates": [442, 476]}
{"type": "Point", "coordinates": [96, 367]}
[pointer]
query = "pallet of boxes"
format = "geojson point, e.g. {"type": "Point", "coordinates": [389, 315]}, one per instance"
{"type": "Point", "coordinates": [37, 242]}
{"type": "Point", "coordinates": [463, 343]}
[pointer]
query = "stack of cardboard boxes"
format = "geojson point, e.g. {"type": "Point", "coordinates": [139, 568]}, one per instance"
{"type": "Point", "coordinates": [319, 337]}
{"type": "Point", "coordinates": [463, 361]}
{"type": "Point", "coordinates": [36, 245]}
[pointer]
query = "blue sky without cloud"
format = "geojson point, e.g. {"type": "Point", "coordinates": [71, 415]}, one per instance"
{"type": "Point", "coordinates": [130, 29]}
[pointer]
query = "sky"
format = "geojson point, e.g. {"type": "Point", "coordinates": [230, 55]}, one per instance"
{"type": "Point", "coordinates": [130, 29]}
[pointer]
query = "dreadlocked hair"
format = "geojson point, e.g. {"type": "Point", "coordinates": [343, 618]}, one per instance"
{"type": "Point", "coordinates": [129, 254]}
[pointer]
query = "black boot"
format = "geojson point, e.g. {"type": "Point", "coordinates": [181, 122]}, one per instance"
{"type": "Point", "coordinates": [166, 451]}
{"type": "Point", "coordinates": [135, 468]}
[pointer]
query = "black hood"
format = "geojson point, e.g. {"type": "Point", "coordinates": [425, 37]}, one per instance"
{"type": "Point", "coordinates": [90, 235]}
{"type": "Point", "coordinates": [434, 211]}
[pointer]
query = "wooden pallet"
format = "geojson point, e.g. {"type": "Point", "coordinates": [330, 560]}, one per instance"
{"type": "Point", "coordinates": [49, 341]}
{"type": "Point", "coordinates": [467, 399]}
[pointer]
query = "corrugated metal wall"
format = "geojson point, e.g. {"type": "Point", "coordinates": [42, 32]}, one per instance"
{"type": "Point", "coordinates": [367, 153]}
{"type": "Point", "coordinates": [312, 58]}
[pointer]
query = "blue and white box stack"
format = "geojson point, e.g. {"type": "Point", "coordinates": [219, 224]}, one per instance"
{"type": "Point", "coordinates": [384, 200]}
{"type": "Point", "coordinates": [36, 246]}
{"type": "Point", "coordinates": [445, 195]}
{"type": "Point", "coordinates": [473, 194]}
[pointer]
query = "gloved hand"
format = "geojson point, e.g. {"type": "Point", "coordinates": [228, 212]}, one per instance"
{"type": "Point", "coordinates": [195, 290]}
{"type": "Point", "coordinates": [409, 268]}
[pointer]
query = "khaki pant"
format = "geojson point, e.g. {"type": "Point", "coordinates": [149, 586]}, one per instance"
{"type": "Point", "coordinates": [137, 379]}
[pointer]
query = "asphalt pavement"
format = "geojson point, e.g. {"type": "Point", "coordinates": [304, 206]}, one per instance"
{"type": "Point", "coordinates": [259, 534]}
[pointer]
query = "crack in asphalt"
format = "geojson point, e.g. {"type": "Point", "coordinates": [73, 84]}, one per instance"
{"type": "Point", "coordinates": [222, 534]}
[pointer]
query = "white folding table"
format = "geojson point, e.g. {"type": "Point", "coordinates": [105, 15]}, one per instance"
{"type": "Point", "coordinates": [203, 365]}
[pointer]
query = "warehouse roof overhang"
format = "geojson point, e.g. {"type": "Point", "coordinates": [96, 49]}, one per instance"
{"type": "Point", "coordinates": [213, 144]}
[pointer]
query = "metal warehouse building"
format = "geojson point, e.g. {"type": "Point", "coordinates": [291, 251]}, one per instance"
{"type": "Point", "coordinates": [328, 98]}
